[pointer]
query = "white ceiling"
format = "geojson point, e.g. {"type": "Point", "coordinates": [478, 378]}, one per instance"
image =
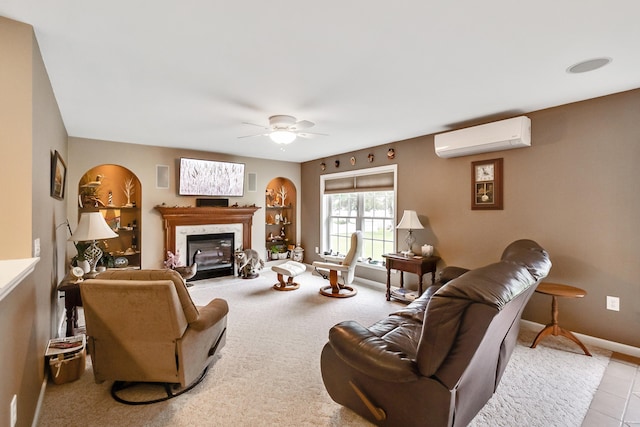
{"type": "Point", "coordinates": [188, 73]}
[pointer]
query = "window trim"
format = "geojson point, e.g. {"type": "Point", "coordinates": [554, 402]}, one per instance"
{"type": "Point", "coordinates": [348, 174]}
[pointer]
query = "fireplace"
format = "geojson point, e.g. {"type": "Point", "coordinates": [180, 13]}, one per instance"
{"type": "Point", "coordinates": [214, 254]}
{"type": "Point", "coordinates": [180, 223]}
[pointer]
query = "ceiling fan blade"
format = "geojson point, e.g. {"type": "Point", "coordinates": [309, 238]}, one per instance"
{"type": "Point", "coordinates": [302, 124]}
{"type": "Point", "coordinates": [253, 124]}
{"type": "Point", "coordinates": [310, 134]}
{"type": "Point", "coordinates": [251, 136]}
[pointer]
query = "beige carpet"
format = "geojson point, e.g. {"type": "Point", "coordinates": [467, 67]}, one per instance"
{"type": "Point", "coordinates": [269, 371]}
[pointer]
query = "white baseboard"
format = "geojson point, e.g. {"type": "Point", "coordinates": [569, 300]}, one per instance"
{"type": "Point", "coordinates": [589, 340]}
{"type": "Point", "coordinates": [43, 388]}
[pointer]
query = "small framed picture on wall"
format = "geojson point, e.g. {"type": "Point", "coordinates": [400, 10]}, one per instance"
{"type": "Point", "coordinates": [58, 176]}
{"type": "Point", "coordinates": [486, 184]}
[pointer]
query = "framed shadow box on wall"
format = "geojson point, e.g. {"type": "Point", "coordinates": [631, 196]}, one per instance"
{"type": "Point", "coordinates": [486, 184]}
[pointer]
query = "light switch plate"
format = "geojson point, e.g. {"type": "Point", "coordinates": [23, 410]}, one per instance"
{"type": "Point", "coordinates": [36, 248]}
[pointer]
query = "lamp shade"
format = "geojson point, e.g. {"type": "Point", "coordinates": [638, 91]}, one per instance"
{"type": "Point", "coordinates": [92, 226]}
{"type": "Point", "coordinates": [410, 221]}
{"type": "Point", "coordinates": [282, 136]}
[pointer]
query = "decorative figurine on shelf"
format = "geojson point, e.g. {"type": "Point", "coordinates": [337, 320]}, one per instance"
{"type": "Point", "coordinates": [270, 195]}
{"type": "Point", "coordinates": [249, 263]}
{"type": "Point", "coordinates": [283, 195]}
{"type": "Point", "coordinates": [110, 198]}
{"type": "Point", "coordinates": [282, 232]}
{"type": "Point", "coordinates": [129, 189]}
{"type": "Point", "coordinates": [90, 191]}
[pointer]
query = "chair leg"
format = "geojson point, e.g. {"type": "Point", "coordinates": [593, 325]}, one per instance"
{"type": "Point", "coordinates": [335, 289]}
{"type": "Point", "coordinates": [289, 285]}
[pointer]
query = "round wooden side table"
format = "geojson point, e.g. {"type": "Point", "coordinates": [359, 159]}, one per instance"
{"type": "Point", "coordinates": [558, 290]}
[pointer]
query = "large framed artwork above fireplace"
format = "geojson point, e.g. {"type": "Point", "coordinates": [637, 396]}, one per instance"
{"type": "Point", "coordinates": [220, 225]}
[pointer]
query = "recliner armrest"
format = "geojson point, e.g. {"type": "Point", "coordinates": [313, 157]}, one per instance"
{"type": "Point", "coordinates": [330, 266]}
{"type": "Point", "coordinates": [210, 314]}
{"type": "Point", "coordinates": [363, 350]}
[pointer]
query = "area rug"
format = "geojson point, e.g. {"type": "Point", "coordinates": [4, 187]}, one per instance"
{"type": "Point", "coordinates": [269, 371]}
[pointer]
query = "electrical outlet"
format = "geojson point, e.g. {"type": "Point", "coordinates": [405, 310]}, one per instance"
{"type": "Point", "coordinates": [613, 303]}
{"type": "Point", "coordinates": [36, 248]}
{"type": "Point", "coordinates": [14, 410]}
{"type": "Point", "coordinates": [317, 250]}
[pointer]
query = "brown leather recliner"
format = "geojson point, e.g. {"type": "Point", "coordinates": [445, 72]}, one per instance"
{"type": "Point", "coordinates": [142, 326]}
{"type": "Point", "coordinates": [439, 360]}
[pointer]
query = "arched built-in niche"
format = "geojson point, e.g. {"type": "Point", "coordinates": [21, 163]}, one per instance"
{"type": "Point", "coordinates": [116, 192]}
{"type": "Point", "coordinates": [280, 215]}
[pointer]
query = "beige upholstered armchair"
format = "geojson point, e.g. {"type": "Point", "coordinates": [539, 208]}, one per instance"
{"type": "Point", "coordinates": [344, 268]}
{"type": "Point", "coordinates": [142, 326]}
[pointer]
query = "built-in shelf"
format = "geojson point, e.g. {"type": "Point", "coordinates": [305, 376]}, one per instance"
{"type": "Point", "coordinates": [280, 215]}
{"type": "Point", "coordinates": [104, 185]}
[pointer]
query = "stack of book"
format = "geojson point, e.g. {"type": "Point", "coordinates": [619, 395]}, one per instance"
{"type": "Point", "coordinates": [404, 294]}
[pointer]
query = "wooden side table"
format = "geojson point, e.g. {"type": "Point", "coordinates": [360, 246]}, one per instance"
{"type": "Point", "coordinates": [412, 264]}
{"type": "Point", "coordinates": [558, 290]}
{"type": "Point", "coordinates": [72, 300]}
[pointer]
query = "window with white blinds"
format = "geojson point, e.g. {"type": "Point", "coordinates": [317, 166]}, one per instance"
{"type": "Point", "coordinates": [382, 181]}
{"type": "Point", "coordinates": [360, 200]}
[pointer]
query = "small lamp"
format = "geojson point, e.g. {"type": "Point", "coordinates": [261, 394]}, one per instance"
{"type": "Point", "coordinates": [92, 227]}
{"type": "Point", "coordinates": [409, 222]}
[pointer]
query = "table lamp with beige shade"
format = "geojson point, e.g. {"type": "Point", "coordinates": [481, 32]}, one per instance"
{"type": "Point", "coordinates": [409, 222]}
{"type": "Point", "coordinates": [91, 228]}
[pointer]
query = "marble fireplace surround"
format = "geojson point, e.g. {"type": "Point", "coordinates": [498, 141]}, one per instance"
{"type": "Point", "coordinates": [178, 222]}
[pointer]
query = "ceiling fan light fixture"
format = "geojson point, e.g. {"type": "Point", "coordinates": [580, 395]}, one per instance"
{"type": "Point", "coordinates": [282, 136]}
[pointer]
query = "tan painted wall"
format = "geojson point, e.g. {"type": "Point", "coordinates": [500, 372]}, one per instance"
{"type": "Point", "coordinates": [85, 154]}
{"type": "Point", "coordinates": [31, 128]}
{"type": "Point", "coordinates": [16, 42]}
{"type": "Point", "coordinates": [574, 191]}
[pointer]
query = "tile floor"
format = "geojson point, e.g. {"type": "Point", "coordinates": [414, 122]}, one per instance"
{"type": "Point", "coordinates": [617, 400]}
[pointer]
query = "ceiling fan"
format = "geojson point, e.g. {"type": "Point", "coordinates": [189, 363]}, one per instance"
{"type": "Point", "coordinates": [284, 129]}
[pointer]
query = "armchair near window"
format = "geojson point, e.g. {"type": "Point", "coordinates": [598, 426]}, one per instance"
{"type": "Point", "coordinates": [345, 269]}
{"type": "Point", "coordinates": [142, 326]}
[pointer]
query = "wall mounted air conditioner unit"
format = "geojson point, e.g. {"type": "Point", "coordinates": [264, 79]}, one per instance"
{"type": "Point", "coordinates": [496, 136]}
